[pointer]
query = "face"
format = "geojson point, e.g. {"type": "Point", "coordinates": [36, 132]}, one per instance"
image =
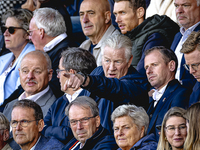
{"type": "Point", "coordinates": [126, 132]}
{"type": "Point", "coordinates": [158, 72]}
{"type": "Point", "coordinates": [82, 132]}
{"type": "Point", "coordinates": [177, 138]}
{"type": "Point", "coordinates": [187, 12]}
{"type": "Point", "coordinates": [94, 20]}
{"type": "Point", "coordinates": [35, 35]}
{"type": "Point", "coordinates": [192, 58]}
{"type": "Point", "coordinates": [17, 41]}
{"type": "Point", "coordinates": [34, 75]}
{"type": "Point", "coordinates": [126, 18]}
{"type": "Point", "coordinates": [114, 63]}
{"type": "Point", "coordinates": [26, 136]}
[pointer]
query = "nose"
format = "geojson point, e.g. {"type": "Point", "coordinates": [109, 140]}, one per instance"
{"type": "Point", "coordinates": [6, 32]}
{"type": "Point", "coordinates": [179, 9]}
{"type": "Point", "coordinates": [79, 125]}
{"type": "Point", "coordinates": [117, 18]}
{"type": "Point", "coordinates": [85, 18]}
{"type": "Point", "coordinates": [192, 71]}
{"type": "Point", "coordinates": [149, 70]}
{"type": "Point", "coordinates": [30, 75]}
{"type": "Point", "coordinates": [18, 127]}
{"type": "Point", "coordinates": [177, 131]}
{"type": "Point", "coordinates": [112, 66]}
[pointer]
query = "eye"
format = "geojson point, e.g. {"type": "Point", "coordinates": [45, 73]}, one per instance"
{"type": "Point", "coordinates": [182, 127]}
{"type": "Point", "coordinates": [171, 128]}
{"type": "Point", "coordinates": [73, 121]}
{"type": "Point", "coordinates": [24, 71]}
{"type": "Point", "coordinates": [116, 129]}
{"type": "Point", "coordinates": [37, 71]}
{"type": "Point", "coordinates": [24, 121]}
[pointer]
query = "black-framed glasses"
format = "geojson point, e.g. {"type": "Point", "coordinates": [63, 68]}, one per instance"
{"type": "Point", "coordinates": [30, 32]}
{"type": "Point", "coordinates": [83, 121]}
{"type": "Point", "coordinates": [23, 123]}
{"type": "Point", "coordinates": [59, 70]}
{"type": "Point", "coordinates": [194, 66]}
{"type": "Point", "coordinates": [11, 30]}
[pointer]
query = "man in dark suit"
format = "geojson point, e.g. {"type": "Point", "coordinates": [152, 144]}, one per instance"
{"type": "Point", "coordinates": [187, 13]}
{"type": "Point", "coordinates": [191, 51]}
{"type": "Point", "coordinates": [27, 124]}
{"type": "Point", "coordinates": [161, 64]}
{"type": "Point", "coordinates": [35, 73]}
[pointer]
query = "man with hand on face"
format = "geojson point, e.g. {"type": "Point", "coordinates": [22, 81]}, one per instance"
{"type": "Point", "coordinates": [95, 18]}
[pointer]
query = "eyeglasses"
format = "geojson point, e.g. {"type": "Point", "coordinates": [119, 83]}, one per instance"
{"type": "Point", "coordinates": [83, 121]}
{"type": "Point", "coordinates": [30, 32]}
{"type": "Point", "coordinates": [194, 66]}
{"type": "Point", "coordinates": [171, 129]}
{"type": "Point", "coordinates": [58, 71]}
{"type": "Point", "coordinates": [23, 123]}
{"type": "Point", "coordinates": [11, 30]}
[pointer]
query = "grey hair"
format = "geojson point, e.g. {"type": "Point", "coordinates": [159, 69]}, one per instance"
{"type": "Point", "coordinates": [78, 59]}
{"type": "Point", "coordinates": [50, 20]}
{"type": "Point", "coordinates": [39, 53]}
{"type": "Point", "coordinates": [198, 2]}
{"type": "Point", "coordinates": [118, 41]}
{"type": "Point", "coordinates": [137, 114]}
{"type": "Point", "coordinates": [22, 16]}
{"type": "Point", "coordinates": [84, 102]}
{"type": "Point", "coordinates": [4, 123]}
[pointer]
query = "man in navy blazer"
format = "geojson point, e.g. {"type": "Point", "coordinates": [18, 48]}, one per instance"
{"type": "Point", "coordinates": [189, 20]}
{"type": "Point", "coordinates": [191, 51]}
{"type": "Point", "coordinates": [27, 124]}
{"type": "Point", "coordinates": [73, 60]}
{"type": "Point", "coordinates": [114, 83]}
{"type": "Point", "coordinates": [161, 64]}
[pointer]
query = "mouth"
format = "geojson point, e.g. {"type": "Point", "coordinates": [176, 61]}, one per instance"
{"type": "Point", "coordinates": [112, 75]}
{"type": "Point", "coordinates": [178, 139]}
{"type": "Point", "coordinates": [86, 27]}
{"type": "Point", "coordinates": [30, 83]}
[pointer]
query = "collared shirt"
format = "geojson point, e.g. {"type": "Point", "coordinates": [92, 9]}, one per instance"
{"type": "Point", "coordinates": [158, 94]}
{"type": "Point", "coordinates": [74, 96]}
{"type": "Point", "coordinates": [35, 96]}
{"type": "Point", "coordinates": [35, 144]}
{"type": "Point", "coordinates": [54, 42]}
{"type": "Point", "coordinates": [179, 55]}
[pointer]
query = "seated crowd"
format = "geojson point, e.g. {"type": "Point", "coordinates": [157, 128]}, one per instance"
{"type": "Point", "coordinates": [135, 86]}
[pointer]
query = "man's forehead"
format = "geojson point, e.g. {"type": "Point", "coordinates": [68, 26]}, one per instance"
{"type": "Point", "coordinates": [21, 112]}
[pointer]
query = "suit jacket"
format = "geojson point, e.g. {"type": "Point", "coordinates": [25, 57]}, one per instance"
{"type": "Point", "coordinates": [45, 101]}
{"type": "Point", "coordinates": [187, 79]}
{"type": "Point", "coordinates": [195, 96]}
{"type": "Point", "coordinates": [48, 144]}
{"type": "Point", "coordinates": [175, 95]}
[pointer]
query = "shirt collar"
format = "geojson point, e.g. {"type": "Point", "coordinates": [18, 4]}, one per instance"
{"type": "Point", "coordinates": [35, 144]}
{"type": "Point", "coordinates": [158, 93]}
{"type": "Point", "coordinates": [54, 42]}
{"type": "Point", "coordinates": [34, 97]}
{"type": "Point", "coordinates": [182, 29]}
{"type": "Point", "coordinates": [74, 96]}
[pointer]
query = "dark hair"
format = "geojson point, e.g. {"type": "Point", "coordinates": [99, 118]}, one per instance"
{"type": "Point", "coordinates": [78, 59]}
{"type": "Point", "coordinates": [25, 103]}
{"type": "Point", "coordinates": [167, 54]}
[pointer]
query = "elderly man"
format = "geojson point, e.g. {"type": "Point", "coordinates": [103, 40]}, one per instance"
{"type": "Point", "coordinates": [35, 73]}
{"type": "Point", "coordinates": [191, 51]}
{"type": "Point", "coordinates": [73, 60]}
{"type": "Point", "coordinates": [115, 82]}
{"type": "Point", "coordinates": [27, 124]}
{"type": "Point", "coordinates": [4, 133]}
{"type": "Point", "coordinates": [85, 123]}
{"type": "Point", "coordinates": [161, 64]}
{"type": "Point", "coordinates": [188, 16]}
{"type": "Point", "coordinates": [96, 24]}
{"type": "Point", "coordinates": [144, 33]}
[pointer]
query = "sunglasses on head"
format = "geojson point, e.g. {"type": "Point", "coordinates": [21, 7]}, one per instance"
{"type": "Point", "coordinates": [11, 30]}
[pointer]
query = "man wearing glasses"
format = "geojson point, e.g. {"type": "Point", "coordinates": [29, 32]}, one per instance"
{"type": "Point", "coordinates": [191, 51]}
{"type": "Point", "coordinates": [27, 124]}
{"type": "Point", "coordinates": [88, 133]}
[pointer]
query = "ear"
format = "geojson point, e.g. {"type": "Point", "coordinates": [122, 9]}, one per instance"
{"type": "Point", "coordinates": [50, 74]}
{"type": "Point", "coordinates": [130, 61]}
{"type": "Point", "coordinates": [42, 33]}
{"type": "Point", "coordinates": [97, 121]}
{"type": "Point", "coordinates": [142, 132]}
{"type": "Point", "coordinates": [140, 12]}
{"type": "Point", "coordinates": [107, 17]}
{"type": "Point", "coordinates": [5, 135]}
{"type": "Point", "coordinates": [40, 125]}
{"type": "Point", "coordinates": [172, 65]}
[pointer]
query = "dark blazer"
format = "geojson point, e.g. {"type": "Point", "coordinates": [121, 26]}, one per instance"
{"type": "Point", "coordinates": [187, 79]}
{"type": "Point", "coordinates": [195, 96]}
{"type": "Point", "coordinates": [45, 102]}
{"type": "Point", "coordinates": [48, 144]}
{"type": "Point", "coordinates": [56, 122]}
{"type": "Point", "coordinates": [174, 95]}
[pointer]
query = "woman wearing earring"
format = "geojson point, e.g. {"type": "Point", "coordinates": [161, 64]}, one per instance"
{"type": "Point", "coordinates": [173, 130]}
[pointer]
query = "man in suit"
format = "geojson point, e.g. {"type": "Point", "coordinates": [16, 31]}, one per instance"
{"type": "Point", "coordinates": [161, 64]}
{"type": "Point", "coordinates": [191, 51]}
{"type": "Point", "coordinates": [85, 123]}
{"type": "Point", "coordinates": [27, 124]}
{"type": "Point", "coordinates": [73, 60]}
{"type": "Point", "coordinates": [188, 17]}
{"type": "Point", "coordinates": [35, 73]}
{"type": "Point", "coordinates": [96, 25]}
